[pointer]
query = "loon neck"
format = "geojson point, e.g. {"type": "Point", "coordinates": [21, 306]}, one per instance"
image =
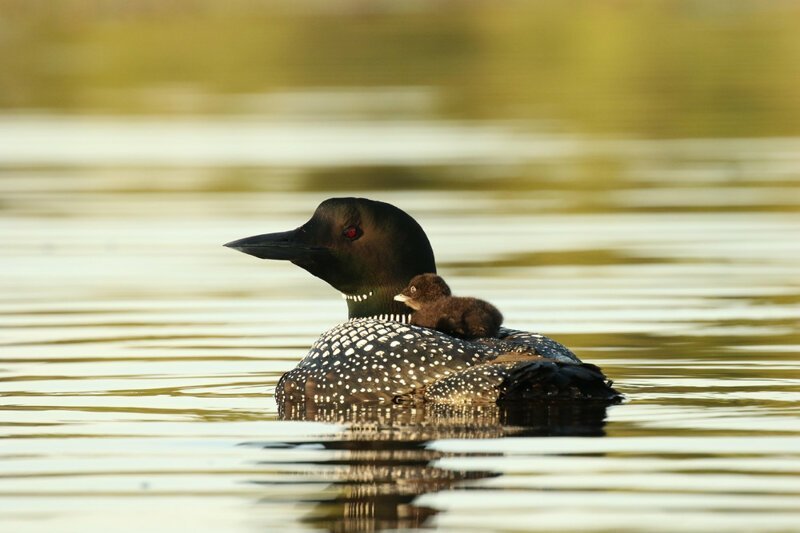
{"type": "Point", "coordinates": [376, 303]}
{"type": "Point", "coordinates": [390, 317]}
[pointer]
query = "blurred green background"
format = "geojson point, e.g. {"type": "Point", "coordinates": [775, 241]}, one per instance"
{"type": "Point", "coordinates": [659, 68]}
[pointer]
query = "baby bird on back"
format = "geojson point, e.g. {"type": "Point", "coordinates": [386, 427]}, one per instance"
{"type": "Point", "coordinates": [435, 307]}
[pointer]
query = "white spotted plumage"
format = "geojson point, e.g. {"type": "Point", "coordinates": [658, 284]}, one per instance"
{"type": "Point", "coordinates": [376, 359]}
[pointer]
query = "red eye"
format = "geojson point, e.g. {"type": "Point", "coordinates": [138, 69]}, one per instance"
{"type": "Point", "coordinates": [351, 232]}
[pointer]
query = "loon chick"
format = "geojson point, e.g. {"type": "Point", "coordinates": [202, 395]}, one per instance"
{"type": "Point", "coordinates": [369, 251]}
{"type": "Point", "coordinates": [435, 307]}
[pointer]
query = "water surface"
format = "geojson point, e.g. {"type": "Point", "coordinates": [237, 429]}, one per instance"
{"type": "Point", "coordinates": [139, 356]}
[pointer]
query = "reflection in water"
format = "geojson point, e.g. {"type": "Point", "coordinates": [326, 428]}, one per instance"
{"type": "Point", "coordinates": [384, 463]}
{"type": "Point", "coordinates": [435, 421]}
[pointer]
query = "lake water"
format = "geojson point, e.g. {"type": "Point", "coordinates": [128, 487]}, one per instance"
{"type": "Point", "coordinates": [140, 357]}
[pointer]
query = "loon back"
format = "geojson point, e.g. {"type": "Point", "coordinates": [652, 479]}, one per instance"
{"type": "Point", "coordinates": [369, 360]}
{"type": "Point", "coordinates": [369, 251]}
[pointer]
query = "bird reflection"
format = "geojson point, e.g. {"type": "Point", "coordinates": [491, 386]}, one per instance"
{"type": "Point", "coordinates": [383, 463]}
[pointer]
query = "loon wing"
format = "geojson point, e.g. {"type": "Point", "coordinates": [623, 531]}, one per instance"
{"type": "Point", "coordinates": [371, 360]}
{"type": "Point", "coordinates": [514, 340]}
{"type": "Point", "coordinates": [525, 379]}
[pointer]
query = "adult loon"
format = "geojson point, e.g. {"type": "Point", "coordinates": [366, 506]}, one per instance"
{"type": "Point", "coordinates": [369, 251]}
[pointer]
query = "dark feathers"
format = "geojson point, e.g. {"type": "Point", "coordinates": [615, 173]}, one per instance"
{"type": "Point", "coordinates": [435, 308]}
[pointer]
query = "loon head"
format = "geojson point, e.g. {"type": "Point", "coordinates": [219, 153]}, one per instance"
{"type": "Point", "coordinates": [422, 290]}
{"type": "Point", "coordinates": [365, 249]}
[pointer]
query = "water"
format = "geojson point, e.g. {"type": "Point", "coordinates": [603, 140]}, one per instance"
{"type": "Point", "coordinates": [139, 356]}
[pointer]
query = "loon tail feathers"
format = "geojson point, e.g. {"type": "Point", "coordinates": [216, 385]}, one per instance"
{"type": "Point", "coordinates": [515, 378]}
{"type": "Point", "coordinates": [541, 379]}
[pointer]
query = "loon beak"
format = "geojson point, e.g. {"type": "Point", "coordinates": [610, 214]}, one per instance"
{"type": "Point", "coordinates": [283, 246]}
{"type": "Point", "coordinates": [401, 298]}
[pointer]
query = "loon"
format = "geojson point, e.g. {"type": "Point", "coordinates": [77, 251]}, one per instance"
{"type": "Point", "coordinates": [436, 308]}
{"type": "Point", "coordinates": [369, 251]}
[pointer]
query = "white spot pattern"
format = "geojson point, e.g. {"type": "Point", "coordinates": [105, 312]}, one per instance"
{"type": "Point", "coordinates": [375, 359]}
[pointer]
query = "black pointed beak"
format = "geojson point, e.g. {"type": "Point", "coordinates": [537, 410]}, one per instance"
{"type": "Point", "coordinates": [286, 245]}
